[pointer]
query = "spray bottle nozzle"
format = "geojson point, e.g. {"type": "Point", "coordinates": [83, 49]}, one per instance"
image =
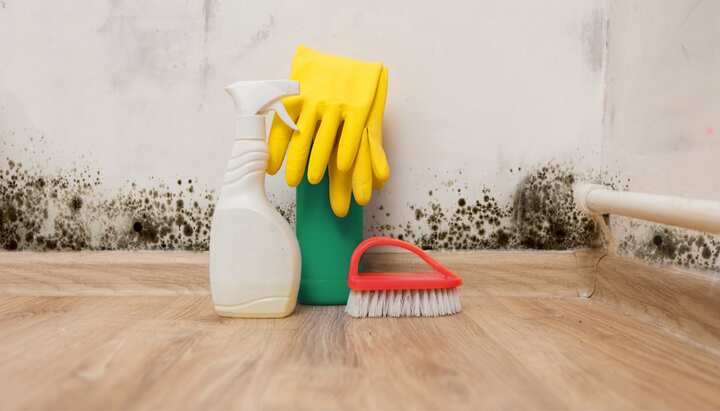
{"type": "Point", "coordinates": [279, 108]}
{"type": "Point", "coordinates": [258, 97]}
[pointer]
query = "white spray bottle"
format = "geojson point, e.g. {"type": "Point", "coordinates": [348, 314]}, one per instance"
{"type": "Point", "coordinates": [254, 255]}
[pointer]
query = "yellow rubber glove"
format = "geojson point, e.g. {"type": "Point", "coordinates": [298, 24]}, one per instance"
{"type": "Point", "coordinates": [371, 169]}
{"type": "Point", "coordinates": [333, 90]}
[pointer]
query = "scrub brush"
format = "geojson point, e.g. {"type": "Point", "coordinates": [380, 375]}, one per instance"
{"type": "Point", "coordinates": [426, 294]}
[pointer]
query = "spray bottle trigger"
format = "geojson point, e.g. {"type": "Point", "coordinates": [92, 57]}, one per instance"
{"type": "Point", "coordinates": [280, 110]}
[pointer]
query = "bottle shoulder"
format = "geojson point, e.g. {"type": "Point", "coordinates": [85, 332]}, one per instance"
{"type": "Point", "coordinates": [248, 209]}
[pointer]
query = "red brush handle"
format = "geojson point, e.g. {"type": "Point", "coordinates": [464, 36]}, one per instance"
{"type": "Point", "coordinates": [387, 241]}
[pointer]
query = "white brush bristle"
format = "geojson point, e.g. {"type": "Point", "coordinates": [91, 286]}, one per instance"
{"type": "Point", "coordinates": [407, 303]}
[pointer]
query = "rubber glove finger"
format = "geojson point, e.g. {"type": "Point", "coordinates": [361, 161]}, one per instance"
{"type": "Point", "coordinates": [380, 166]}
{"type": "Point", "coordinates": [299, 147]}
{"type": "Point", "coordinates": [350, 140]}
{"type": "Point", "coordinates": [362, 173]}
{"type": "Point", "coordinates": [377, 184]}
{"type": "Point", "coordinates": [324, 144]}
{"type": "Point", "coordinates": [280, 135]}
{"type": "Point", "coordinates": [340, 188]}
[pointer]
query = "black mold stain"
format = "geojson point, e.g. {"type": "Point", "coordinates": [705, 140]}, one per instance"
{"type": "Point", "coordinates": [76, 203]}
{"type": "Point", "coordinates": [542, 215]}
{"type": "Point", "coordinates": [668, 245]}
{"type": "Point", "coordinates": [67, 212]}
{"type": "Point", "coordinates": [545, 216]}
{"type": "Point", "coordinates": [287, 211]}
{"type": "Point", "coordinates": [706, 253]}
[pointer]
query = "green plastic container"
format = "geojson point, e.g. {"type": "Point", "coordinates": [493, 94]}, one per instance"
{"type": "Point", "coordinates": [326, 244]}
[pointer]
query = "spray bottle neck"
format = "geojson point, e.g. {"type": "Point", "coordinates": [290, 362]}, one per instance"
{"type": "Point", "coordinates": [250, 127]}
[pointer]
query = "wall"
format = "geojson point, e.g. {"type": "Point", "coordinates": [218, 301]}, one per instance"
{"type": "Point", "coordinates": [116, 128]}
{"type": "Point", "coordinates": [663, 116]}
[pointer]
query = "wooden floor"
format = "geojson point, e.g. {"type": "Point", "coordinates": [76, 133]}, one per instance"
{"type": "Point", "coordinates": [559, 330]}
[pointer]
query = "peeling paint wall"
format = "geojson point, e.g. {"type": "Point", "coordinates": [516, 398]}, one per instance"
{"type": "Point", "coordinates": [663, 117]}
{"type": "Point", "coordinates": [118, 108]}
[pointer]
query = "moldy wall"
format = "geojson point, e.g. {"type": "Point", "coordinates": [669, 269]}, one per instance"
{"type": "Point", "coordinates": [662, 117]}
{"type": "Point", "coordinates": [115, 127]}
